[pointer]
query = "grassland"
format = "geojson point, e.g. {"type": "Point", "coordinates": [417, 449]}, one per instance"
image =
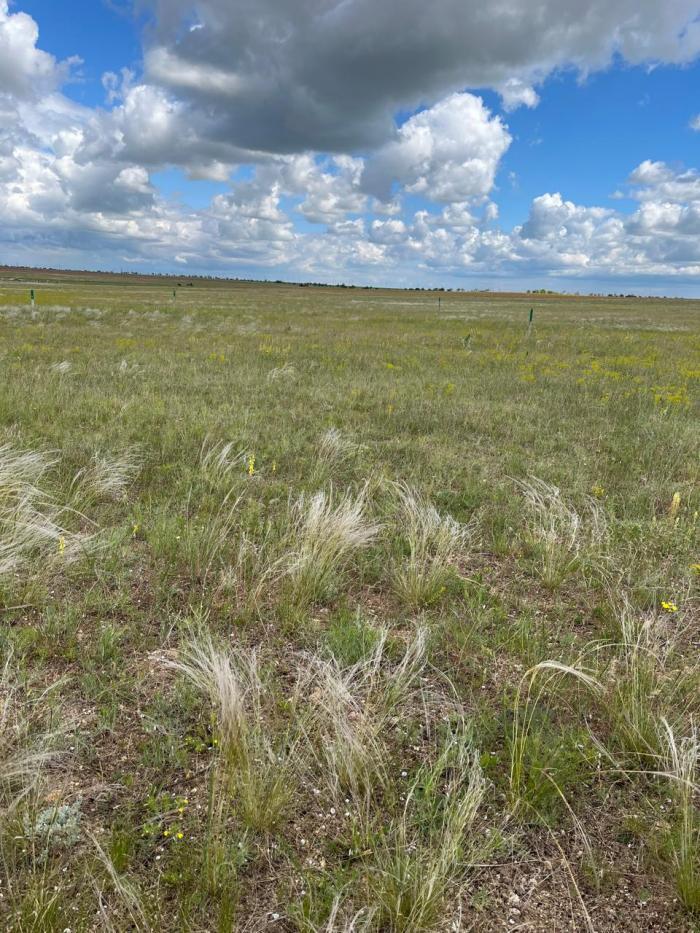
{"type": "Point", "coordinates": [325, 610]}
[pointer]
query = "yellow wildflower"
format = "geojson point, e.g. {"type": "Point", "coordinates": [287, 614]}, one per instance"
{"type": "Point", "coordinates": [251, 465]}
{"type": "Point", "coordinates": [669, 606]}
{"type": "Point", "coordinates": [61, 545]}
{"type": "Point", "coordinates": [597, 491]}
{"type": "Point", "coordinates": [675, 505]}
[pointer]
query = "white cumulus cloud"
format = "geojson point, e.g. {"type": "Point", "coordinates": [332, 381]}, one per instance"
{"type": "Point", "coordinates": [308, 105]}
{"type": "Point", "coordinates": [25, 70]}
{"type": "Point", "coordinates": [449, 152]}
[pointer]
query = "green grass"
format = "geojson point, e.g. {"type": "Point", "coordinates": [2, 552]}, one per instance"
{"type": "Point", "coordinates": [320, 616]}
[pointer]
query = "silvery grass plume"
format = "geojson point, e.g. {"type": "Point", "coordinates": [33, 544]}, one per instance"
{"type": "Point", "coordinates": [126, 368]}
{"type": "Point", "coordinates": [433, 542]}
{"type": "Point", "coordinates": [62, 368]}
{"type": "Point", "coordinates": [644, 685]}
{"type": "Point", "coordinates": [252, 768]}
{"type": "Point", "coordinates": [27, 741]}
{"type": "Point", "coordinates": [251, 326]}
{"type": "Point", "coordinates": [343, 920]}
{"type": "Point", "coordinates": [106, 477]}
{"type": "Point", "coordinates": [335, 447]}
{"type": "Point", "coordinates": [288, 371]}
{"type": "Point", "coordinates": [533, 687]}
{"type": "Point", "coordinates": [558, 533]}
{"type": "Point", "coordinates": [207, 538]}
{"type": "Point", "coordinates": [252, 567]}
{"type": "Point", "coordinates": [352, 708]}
{"type": "Point", "coordinates": [421, 860]}
{"type": "Point", "coordinates": [22, 469]}
{"type": "Point", "coordinates": [325, 531]}
{"type": "Point", "coordinates": [27, 532]}
{"type": "Point", "coordinates": [682, 760]}
{"type": "Point", "coordinates": [220, 461]}
{"type": "Point", "coordinates": [29, 518]}
{"type": "Point", "coordinates": [658, 634]}
{"type": "Point", "coordinates": [125, 894]}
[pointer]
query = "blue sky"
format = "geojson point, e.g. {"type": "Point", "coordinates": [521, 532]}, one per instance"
{"type": "Point", "coordinates": [106, 38]}
{"type": "Point", "coordinates": [587, 135]}
{"type": "Point", "coordinates": [239, 169]}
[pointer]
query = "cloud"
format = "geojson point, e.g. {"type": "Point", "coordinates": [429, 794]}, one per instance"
{"type": "Point", "coordinates": [661, 237]}
{"type": "Point", "coordinates": [516, 93]}
{"type": "Point", "coordinates": [695, 123]}
{"type": "Point", "coordinates": [26, 71]}
{"type": "Point", "coordinates": [560, 239]}
{"type": "Point", "coordinates": [449, 153]}
{"type": "Point", "coordinates": [553, 218]}
{"type": "Point", "coordinates": [331, 174]}
{"type": "Point", "coordinates": [103, 187]}
{"type": "Point", "coordinates": [165, 67]}
{"type": "Point", "coordinates": [329, 75]}
{"type": "Point", "coordinates": [656, 181]}
{"type": "Point", "coordinates": [329, 187]}
{"type": "Point", "coordinates": [63, 198]}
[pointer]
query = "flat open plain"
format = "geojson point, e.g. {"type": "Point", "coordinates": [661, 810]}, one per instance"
{"type": "Point", "coordinates": [330, 609]}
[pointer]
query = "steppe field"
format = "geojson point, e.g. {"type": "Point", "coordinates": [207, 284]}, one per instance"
{"type": "Point", "coordinates": [336, 610]}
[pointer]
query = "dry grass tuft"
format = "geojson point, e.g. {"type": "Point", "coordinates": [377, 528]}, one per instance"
{"type": "Point", "coordinates": [221, 461]}
{"type": "Point", "coordinates": [682, 761]}
{"type": "Point", "coordinates": [28, 741]}
{"type": "Point", "coordinates": [558, 534]}
{"type": "Point", "coordinates": [326, 531]}
{"type": "Point", "coordinates": [421, 860]}
{"type": "Point", "coordinates": [207, 538]}
{"type": "Point", "coordinates": [433, 542]}
{"type": "Point", "coordinates": [30, 521]}
{"type": "Point", "coordinates": [336, 448]}
{"type": "Point", "coordinates": [644, 685]}
{"type": "Point", "coordinates": [106, 477]}
{"type": "Point", "coordinates": [352, 711]}
{"type": "Point", "coordinates": [252, 769]}
{"type": "Point", "coordinates": [533, 687]}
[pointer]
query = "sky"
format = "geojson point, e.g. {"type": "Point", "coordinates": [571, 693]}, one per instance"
{"type": "Point", "coordinates": [506, 145]}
